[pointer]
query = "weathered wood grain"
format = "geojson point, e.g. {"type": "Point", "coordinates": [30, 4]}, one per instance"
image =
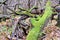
{"type": "Point", "coordinates": [26, 4]}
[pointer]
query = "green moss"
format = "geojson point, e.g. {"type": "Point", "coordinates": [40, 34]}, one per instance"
{"type": "Point", "coordinates": [33, 34]}
{"type": "Point", "coordinates": [26, 12]}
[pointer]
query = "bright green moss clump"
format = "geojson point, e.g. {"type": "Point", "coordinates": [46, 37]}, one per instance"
{"type": "Point", "coordinates": [33, 34]}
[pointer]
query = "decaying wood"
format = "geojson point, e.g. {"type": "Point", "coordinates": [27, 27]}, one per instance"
{"type": "Point", "coordinates": [26, 4]}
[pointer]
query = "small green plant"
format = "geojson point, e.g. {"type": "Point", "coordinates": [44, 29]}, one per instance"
{"type": "Point", "coordinates": [33, 34]}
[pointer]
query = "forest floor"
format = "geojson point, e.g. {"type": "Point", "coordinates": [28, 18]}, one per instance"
{"type": "Point", "coordinates": [51, 31]}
